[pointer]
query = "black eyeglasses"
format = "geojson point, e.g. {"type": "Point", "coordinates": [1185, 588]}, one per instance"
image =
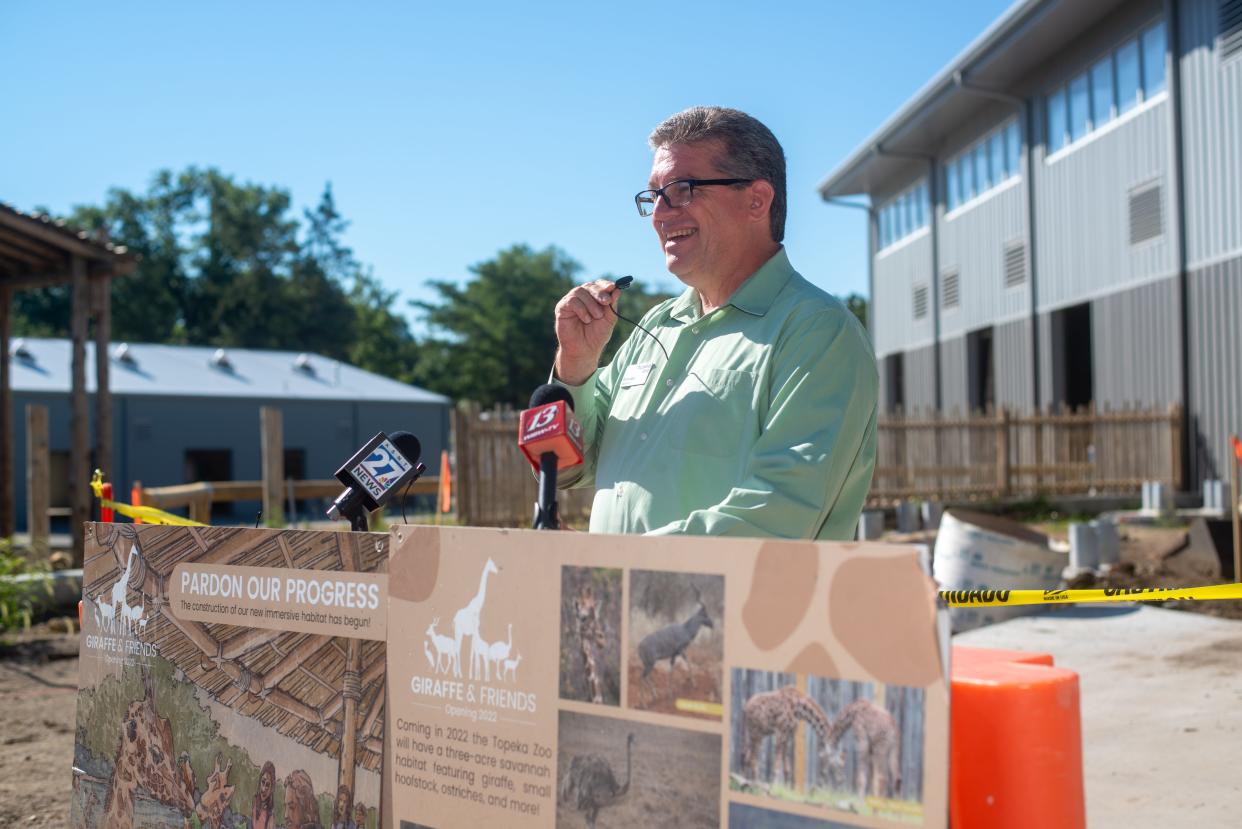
{"type": "Point", "coordinates": [679, 193]}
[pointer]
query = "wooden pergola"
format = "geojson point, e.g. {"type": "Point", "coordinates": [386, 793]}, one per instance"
{"type": "Point", "coordinates": [36, 252]}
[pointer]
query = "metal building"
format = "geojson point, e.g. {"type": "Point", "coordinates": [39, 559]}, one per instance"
{"type": "Point", "coordinates": [186, 413]}
{"type": "Point", "coordinates": [1056, 218]}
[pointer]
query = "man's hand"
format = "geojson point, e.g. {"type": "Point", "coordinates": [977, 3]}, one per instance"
{"type": "Point", "coordinates": [583, 326]}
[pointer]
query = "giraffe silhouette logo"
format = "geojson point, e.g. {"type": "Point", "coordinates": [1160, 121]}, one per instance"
{"type": "Point", "coordinates": [444, 652]}
{"type": "Point", "coordinates": [113, 612]}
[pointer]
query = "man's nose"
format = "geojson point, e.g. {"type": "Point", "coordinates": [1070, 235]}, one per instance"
{"type": "Point", "coordinates": [662, 209]}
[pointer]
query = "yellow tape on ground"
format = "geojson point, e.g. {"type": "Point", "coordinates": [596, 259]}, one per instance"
{"type": "Point", "coordinates": [1013, 598]}
{"type": "Point", "coordinates": [150, 515]}
{"type": "Point", "coordinates": [695, 706]}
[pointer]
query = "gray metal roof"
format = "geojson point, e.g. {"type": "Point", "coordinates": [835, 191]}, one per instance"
{"type": "Point", "coordinates": [1021, 39]}
{"type": "Point", "coordinates": [43, 365]}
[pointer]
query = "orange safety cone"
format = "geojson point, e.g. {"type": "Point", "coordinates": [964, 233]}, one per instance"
{"type": "Point", "coordinates": [1016, 742]}
{"type": "Point", "coordinates": [105, 513]}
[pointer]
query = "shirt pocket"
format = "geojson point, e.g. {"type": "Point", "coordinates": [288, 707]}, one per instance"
{"type": "Point", "coordinates": [714, 413]}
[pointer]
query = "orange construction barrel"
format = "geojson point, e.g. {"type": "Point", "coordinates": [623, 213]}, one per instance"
{"type": "Point", "coordinates": [1015, 758]}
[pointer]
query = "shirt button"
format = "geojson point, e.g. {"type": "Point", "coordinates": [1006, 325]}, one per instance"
{"type": "Point", "coordinates": [695, 330]}
{"type": "Point", "coordinates": [669, 382]}
{"type": "Point", "coordinates": [643, 436]}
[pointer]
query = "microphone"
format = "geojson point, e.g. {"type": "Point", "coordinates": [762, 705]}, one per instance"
{"type": "Point", "coordinates": [374, 474]}
{"type": "Point", "coordinates": [551, 439]}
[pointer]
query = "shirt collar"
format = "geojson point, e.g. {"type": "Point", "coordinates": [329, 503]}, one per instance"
{"type": "Point", "coordinates": [755, 296]}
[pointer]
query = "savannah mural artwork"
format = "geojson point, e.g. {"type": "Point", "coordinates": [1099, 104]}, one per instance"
{"type": "Point", "coordinates": [221, 726]}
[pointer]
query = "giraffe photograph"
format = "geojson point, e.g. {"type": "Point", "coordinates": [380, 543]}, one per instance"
{"type": "Point", "coordinates": [619, 773]}
{"type": "Point", "coordinates": [675, 650]}
{"type": "Point", "coordinates": [590, 656]}
{"type": "Point", "coordinates": [855, 747]}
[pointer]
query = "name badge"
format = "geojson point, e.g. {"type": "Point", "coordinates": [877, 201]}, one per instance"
{"type": "Point", "coordinates": [636, 374]}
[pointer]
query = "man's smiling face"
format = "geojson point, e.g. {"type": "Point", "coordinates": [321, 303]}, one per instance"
{"type": "Point", "coordinates": [699, 238]}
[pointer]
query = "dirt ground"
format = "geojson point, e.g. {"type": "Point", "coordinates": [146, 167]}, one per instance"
{"type": "Point", "coordinates": [701, 684]}
{"type": "Point", "coordinates": [676, 778]}
{"type": "Point", "coordinates": [38, 688]}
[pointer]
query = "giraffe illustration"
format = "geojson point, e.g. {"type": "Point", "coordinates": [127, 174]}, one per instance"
{"type": "Point", "coordinates": [466, 623]}
{"type": "Point", "coordinates": [877, 742]}
{"type": "Point", "coordinates": [776, 714]}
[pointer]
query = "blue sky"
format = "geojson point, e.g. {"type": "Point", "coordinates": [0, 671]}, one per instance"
{"type": "Point", "coordinates": [450, 132]}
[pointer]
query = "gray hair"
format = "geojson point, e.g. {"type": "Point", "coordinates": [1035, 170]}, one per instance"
{"type": "Point", "coordinates": [750, 149]}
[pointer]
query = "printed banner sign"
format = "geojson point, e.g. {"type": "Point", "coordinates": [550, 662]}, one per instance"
{"type": "Point", "coordinates": [230, 677]}
{"type": "Point", "coordinates": [561, 679]}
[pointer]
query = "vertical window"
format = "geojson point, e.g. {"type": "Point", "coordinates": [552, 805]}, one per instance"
{"type": "Point", "coordinates": [996, 149]}
{"type": "Point", "coordinates": [1154, 48]}
{"type": "Point", "coordinates": [1013, 148]}
{"type": "Point", "coordinates": [1102, 92]}
{"type": "Point", "coordinates": [966, 169]}
{"type": "Point", "coordinates": [1079, 102]}
{"type": "Point", "coordinates": [920, 206]}
{"type": "Point", "coordinates": [950, 184]}
{"type": "Point", "coordinates": [1127, 77]}
{"type": "Point", "coordinates": [1056, 120]}
{"type": "Point", "coordinates": [982, 180]}
{"type": "Point", "coordinates": [925, 200]}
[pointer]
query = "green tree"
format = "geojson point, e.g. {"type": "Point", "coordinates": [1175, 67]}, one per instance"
{"type": "Point", "coordinates": [858, 307]}
{"type": "Point", "coordinates": [493, 339]}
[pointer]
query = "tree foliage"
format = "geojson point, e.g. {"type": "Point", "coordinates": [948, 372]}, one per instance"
{"type": "Point", "coordinates": [228, 263]}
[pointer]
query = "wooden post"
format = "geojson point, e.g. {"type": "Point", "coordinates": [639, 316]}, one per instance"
{"type": "Point", "coordinates": [352, 692]}
{"type": "Point", "coordinates": [200, 507]}
{"type": "Point", "coordinates": [38, 477]}
{"type": "Point", "coordinates": [8, 505]}
{"type": "Point", "coordinates": [103, 391]}
{"type": "Point", "coordinates": [273, 448]}
{"type": "Point", "coordinates": [1002, 451]}
{"type": "Point", "coordinates": [79, 414]}
{"type": "Point", "coordinates": [465, 464]}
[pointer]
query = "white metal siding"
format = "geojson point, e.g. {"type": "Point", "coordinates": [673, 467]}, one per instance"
{"type": "Point", "coordinates": [1215, 300]}
{"type": "Point", "coordinates": [920, 379]}
{"type": "Point", "coordinates": [1136, 346]}
{"type": "Point", "coordinates": [973, 241]}
{"type": "Point", "coordinates": [1211, 138]}
{"type": "Point", "coordinates": [954, 374]}
{"type": "Point", "coordinates": [897, 272]}
{"type": "Point", "coordinates": [1011, 357]}
{"type": "Point", "coordinates": [1083, 211]}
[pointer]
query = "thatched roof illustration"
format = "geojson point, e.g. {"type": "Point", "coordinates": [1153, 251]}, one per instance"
{"type": "Point", "coordinates": [308, 687]}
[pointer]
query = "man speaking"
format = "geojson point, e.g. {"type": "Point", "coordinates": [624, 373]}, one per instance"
{"type": "Point", "coordinates": [751, 409]}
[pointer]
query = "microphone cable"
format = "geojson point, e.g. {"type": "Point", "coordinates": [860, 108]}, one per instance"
{"type": "Point", "coordinates": [622, 284]}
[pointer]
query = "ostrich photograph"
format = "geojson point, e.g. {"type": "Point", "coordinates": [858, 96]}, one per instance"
{"type": "Point", "coordinates": [615, 773]}
{"type": "Point", "coordinates": [676, 643]}
{"type": "Point", "coordinates": [590, 655]}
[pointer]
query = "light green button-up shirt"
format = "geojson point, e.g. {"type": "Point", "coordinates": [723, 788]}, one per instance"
{"type": "Point", "coordinates": [761, 421]}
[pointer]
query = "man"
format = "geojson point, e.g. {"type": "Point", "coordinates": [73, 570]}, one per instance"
{"type": "Point", "coordinates": [754, 413]}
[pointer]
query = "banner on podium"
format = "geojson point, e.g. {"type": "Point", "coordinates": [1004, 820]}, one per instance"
{"type": "Point", "coordinates": [230, 677]}
{"type": "Point", "coordinates": [560, 679]}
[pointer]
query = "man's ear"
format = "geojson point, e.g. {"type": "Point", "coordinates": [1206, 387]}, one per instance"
{"type": "Point", "coordinates": [761, 195]}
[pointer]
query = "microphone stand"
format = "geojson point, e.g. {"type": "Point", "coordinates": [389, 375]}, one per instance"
{"type": "Point", "coordinates": [546, 517]}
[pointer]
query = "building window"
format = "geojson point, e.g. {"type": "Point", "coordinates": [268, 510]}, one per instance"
{"type": "Point", "coordinates": [1134, 72]}
{"type": "Point", "coordinates": [903, 215]}
{"type": "Point", "coordinates": [1229, 29]}
{"type": "Point", "coordinates": [985, 164]}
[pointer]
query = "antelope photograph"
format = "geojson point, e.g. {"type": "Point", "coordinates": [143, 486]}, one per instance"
{"type": "Point", "coordinates": [676, 643]}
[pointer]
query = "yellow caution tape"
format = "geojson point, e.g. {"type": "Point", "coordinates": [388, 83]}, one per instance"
{"type": "Point", "coordinates": [150, 515]}
{"type": "Point", "coordinates": [694, 706]}
{"type": "Point", "coordinates": [1013, 598]}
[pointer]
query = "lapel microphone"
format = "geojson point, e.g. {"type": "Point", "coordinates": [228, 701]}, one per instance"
{"type": "Point", "coordinates": [621, 284]}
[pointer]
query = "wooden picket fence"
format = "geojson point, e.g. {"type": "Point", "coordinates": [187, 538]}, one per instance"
{"type": "Point", "coordinates": [977, 456]}
{"type": "Point", "coordinates": [1000, 454]}
{"type": "Point", "coordinates": [495, 484]}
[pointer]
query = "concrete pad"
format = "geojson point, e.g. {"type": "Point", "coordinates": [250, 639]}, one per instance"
{"type": "Point", "coordinates": [1161, 697]}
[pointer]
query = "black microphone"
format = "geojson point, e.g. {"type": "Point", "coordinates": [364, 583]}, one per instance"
{"type": "Point", "coordinates": [553, 434]}
{"type": "Point", "coordinates": [374, 474]}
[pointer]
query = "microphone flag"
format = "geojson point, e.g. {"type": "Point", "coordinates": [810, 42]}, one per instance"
{"type": "Point", "coordinates": [551, 428]}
